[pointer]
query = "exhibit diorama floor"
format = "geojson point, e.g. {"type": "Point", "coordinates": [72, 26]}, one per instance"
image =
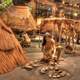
{"type": "Point", "coordinates": [70, 63]}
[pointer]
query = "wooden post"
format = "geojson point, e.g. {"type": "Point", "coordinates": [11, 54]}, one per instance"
{"type": "Point", "coordinates": [60, 33]}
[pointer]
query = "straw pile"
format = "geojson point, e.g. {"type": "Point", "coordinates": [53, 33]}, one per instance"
{"type": "Point", "coordinates": [11, 53]}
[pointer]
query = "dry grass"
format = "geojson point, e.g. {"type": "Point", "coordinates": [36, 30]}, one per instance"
{"type": "Point", "coordinates": [11, 53]}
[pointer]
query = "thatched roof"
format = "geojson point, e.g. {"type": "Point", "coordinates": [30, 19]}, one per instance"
{"type": "Point", "coordinates": [19, 17]}
{"type": "Point", "coordinates": [5, 39]}
{"type": "Point", "coordinates": [50, 24]}
{"type": "Point", "coordinates": [46, 26]}
{"type": "Point", "coordinates": [11, 53]}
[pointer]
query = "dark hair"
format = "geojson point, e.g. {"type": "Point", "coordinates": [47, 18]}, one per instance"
{"type": "Point", "coordinates": [44, 41]}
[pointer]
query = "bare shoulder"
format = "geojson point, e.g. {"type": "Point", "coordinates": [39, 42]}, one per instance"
{"type": "Point", "coordinates": [52, 40]}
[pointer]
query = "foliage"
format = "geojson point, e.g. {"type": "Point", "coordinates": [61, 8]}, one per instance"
{"type": "Point", "coordinates": [5, 4]}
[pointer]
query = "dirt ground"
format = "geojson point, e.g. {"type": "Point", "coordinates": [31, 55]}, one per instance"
{"type": "Point", "coordinates": [70, 64]}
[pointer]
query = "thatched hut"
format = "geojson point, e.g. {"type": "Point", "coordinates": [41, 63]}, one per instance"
{"type": "Point", "coordinates": [19, 18]}
{"type": "Point", "coordinates": [11, 53]}
{"type": "Point", "coordinates": [50, 24]}
{"type": "Point", "coordinates": [59, 27]}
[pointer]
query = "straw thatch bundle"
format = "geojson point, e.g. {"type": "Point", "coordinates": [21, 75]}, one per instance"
{"type": "Point", "coordinates": [20, 18]}
{"type": "Point", "coordinates": [65, 28]}
{"type": "Point", "coordinates": [50, 24]}
{"type": "Point", "coordinates": [46, 26]}
{"type": "Point", "coordinates": [11, 53]}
